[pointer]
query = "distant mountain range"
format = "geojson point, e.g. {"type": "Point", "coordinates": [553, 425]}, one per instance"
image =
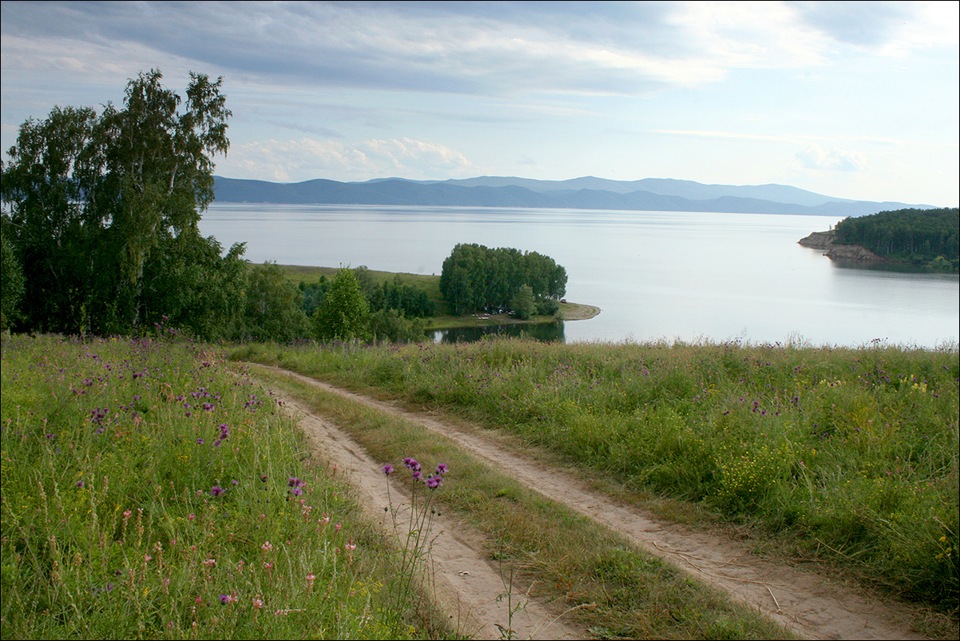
{"type": "Point", "coordinates": [649, 194]}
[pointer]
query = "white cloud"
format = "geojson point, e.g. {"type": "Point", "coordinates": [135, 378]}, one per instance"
{"type": "Point", "coordinates": [307, 158]}
{"type": "Point", "coordinates": [816, 157]}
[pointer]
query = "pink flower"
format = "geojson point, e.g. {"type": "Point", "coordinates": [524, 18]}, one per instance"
{"type": "Point", "coordinates": [210, 563]}
{"type": "Point", "coordinates": [350, 546]}
{"type": "Point", "coordinates": [267, 546]}
{"type": "Point", "coordinates": [257, 603]}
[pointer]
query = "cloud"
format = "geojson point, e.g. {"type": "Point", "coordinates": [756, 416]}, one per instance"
{"type": "Point", "coordinates": [816, 157]}
{"type": "Point", "coordinates": [307, 158]}
{"type": "Point", "coordinates": [466, 48]}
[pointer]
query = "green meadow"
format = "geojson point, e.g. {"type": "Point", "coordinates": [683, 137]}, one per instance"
{"type": "Point", "coordinates": [846, 458]}
{"type": "Point", "coordinates": [152, 488]}
{"type": "Point", "coordinates": [151, 492]}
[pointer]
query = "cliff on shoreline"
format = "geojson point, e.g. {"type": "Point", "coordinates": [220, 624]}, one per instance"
{"type": "Point", "coordinates": [824, 240]}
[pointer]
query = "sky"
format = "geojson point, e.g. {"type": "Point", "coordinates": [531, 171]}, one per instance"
{"type": "Point", "coordinates": [854, 100]}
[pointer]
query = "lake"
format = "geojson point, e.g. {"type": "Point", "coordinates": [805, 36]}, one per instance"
{"type": "Point", "coordinates": [655, 275]}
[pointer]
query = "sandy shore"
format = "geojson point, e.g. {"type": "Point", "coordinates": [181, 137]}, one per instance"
{"type": "Point", "coordinates": [575, 311]}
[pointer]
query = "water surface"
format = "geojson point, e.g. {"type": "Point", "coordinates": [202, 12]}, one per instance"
{"type": "Point", "coordinates": [655, 275]}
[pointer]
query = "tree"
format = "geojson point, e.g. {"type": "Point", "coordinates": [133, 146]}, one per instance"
{"type": "Point", "coordinates": [523, 304]}
{"type": "Point", "coordinates": [11, 282]}
{"type": "Point", "coordinates": [344, 313]}
{"type": "Point", "coordinates": [93, 199]}
{"type": "Point", "coordinates": [475, 277]}
{"type": "Point", "coordinates": [273, 310]}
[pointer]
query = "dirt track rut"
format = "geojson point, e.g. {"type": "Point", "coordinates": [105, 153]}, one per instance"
{"type": "Point", "coordinates": [809, 605]}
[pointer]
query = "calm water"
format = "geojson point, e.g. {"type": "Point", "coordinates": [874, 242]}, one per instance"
{"type": "Point", "coordinates": [655, 275]}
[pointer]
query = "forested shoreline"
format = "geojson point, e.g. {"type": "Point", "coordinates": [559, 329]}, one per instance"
{"type": "Point", "coordinates": [924, 238]}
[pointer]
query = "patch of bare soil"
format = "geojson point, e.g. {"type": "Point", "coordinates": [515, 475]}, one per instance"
{"type": "Point", "coordinates": [810, 605]}
{"type": "Point", "coordinates": [467, 587]}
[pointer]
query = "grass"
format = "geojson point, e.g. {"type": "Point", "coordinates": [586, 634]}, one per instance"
{"type": "Point", "coordinates": [589, 575]}
{"type": "Point", "coordinates": [150, 491]}
{"type": "Point", "coordinates": [847, 458]}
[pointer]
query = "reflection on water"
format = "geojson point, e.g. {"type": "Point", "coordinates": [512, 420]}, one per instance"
{"type": "Point", "coordinates": [546, 332]}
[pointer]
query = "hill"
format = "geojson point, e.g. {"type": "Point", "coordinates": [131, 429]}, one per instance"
{"type": "Point", "coordinates": [649, 194]}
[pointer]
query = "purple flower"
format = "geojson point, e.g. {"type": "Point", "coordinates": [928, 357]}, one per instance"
{"type": "Point", "coordinates": [216, 490]}
{"type": "Point", "coordinates": [293, 481]}
{"type": "Point", "coordinates": [433, 482]}
{"type": "Point", "coordinates": [388, 469]}
{"type": "Point", "coordinates": [442, 469]}
{"type": "Point", "coordinates": [412, 463]}
{"type": "Point", "coordinates": [296, 491]}
{"type": "Point", "coordinates": [199, 441]}
{"type": "Point", "coordinates": [80, 484]}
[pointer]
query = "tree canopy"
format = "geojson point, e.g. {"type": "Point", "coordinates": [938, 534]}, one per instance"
{"type": "Point", "coordinates": [101, 212]}
{"type": "Point", "coordinates": [475, 277]}
{"type": "Point", "coordinates": [921, 236]}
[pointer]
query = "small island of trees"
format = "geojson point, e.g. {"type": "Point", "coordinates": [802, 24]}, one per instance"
{"type": "Point", "coordinates": [477, 278]}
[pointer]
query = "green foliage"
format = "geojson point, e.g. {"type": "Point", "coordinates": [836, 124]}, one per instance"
{"type": "Point", "coordinates": [926, 237]}
{"type": "Point", "coordinates": [102, 206]}
{"type": "Point", "coordinates": [149, 491]}
{"type": "Point", "coordinates": [11, 281]}
{"type": "Point", "coordinates": [273, 310]}
{"type": "Point", "coordinates": [522, 303]}
{"type": "Point", "coordinates": [850, 455]}
{"type": "Point", "coordinates": [344, 313]}
{"type": "Point", "coordinates": [475, 277]}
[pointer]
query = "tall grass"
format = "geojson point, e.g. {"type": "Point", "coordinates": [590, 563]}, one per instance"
{"type": "Point", "coordinates": [846, 456]}
{"type": "Point", "coordinates": [149, 491]}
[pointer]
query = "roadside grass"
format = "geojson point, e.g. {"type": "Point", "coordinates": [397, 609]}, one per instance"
{"type": "Point", "coordinates": [846, 458]}
{"type": "Point", "coordinates": [586, 573]}
{"type": "Point", "coordinates": [149, 491]}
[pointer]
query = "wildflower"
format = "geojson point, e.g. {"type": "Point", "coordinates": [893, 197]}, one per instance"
{"type": "Point", "coordinates": [199, 441]}
{"type": "Point", "coordinates": [433, 482]}
{"type": "Point", "coordinates": [235, 482]}
{"type": "Point", "coordinates": [210, 563]}
{"type": "Point", "coordinates": [350, 546]}
{"type": "Point", "coordinates": [216, 490]}
{"type": "Point", "coordinates": [191, 517]}
{"type": "Point", "coordinates": [267, 546]}
{"type": "Point", "coordinates": [442, 469]}
{"type": "Point", "coordinates": [388, 469]}
{"type": "Point", "coordinates": [127, 514]}
{"type": "Point", "coordinates": [412, 464]}
{"type": "Point", "coordinates": [293, 481]}
{"type": "Point", "coordinates": [80, 484]}
{"type": "Point", "coordinates": [227, 598]}
{"type": "Point", "coordinates": [310, 579]}
{"type": "Point", "coordinates": [257, 603]}
{"type": "Point", "coordinates": [296, 491]}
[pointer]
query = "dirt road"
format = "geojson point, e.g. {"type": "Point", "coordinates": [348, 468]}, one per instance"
{"type": "Point", "coordinates": [809, 605]}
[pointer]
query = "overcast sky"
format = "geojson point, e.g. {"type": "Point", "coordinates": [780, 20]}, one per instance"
{"type": "Point", "coordinates": [851, 99]}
